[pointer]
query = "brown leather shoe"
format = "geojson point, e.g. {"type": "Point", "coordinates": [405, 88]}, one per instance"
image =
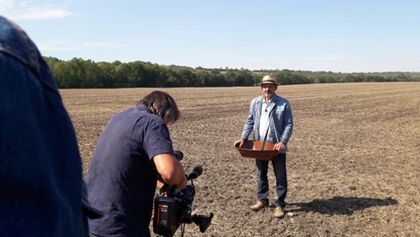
{"type": "Point", "coordinates": [279, 212]}
{"type": "Point", "coordinates": [258, 206]}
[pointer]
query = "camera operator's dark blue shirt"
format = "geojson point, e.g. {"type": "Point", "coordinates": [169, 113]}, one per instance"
{"type": "Point", "coordinates": [122, 176]}
{"type": "Point", "coordinates": [40, 167]}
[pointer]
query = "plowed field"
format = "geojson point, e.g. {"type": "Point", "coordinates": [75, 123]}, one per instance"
{"type": "Point", "coordinates": [353, 161]}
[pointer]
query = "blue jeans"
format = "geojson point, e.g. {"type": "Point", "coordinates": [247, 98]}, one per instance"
{"type": "Point", "coordinates": [279, 167]}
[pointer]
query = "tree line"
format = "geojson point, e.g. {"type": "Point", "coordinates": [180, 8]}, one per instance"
{"type": "Point", "coordinates": [80, 73]}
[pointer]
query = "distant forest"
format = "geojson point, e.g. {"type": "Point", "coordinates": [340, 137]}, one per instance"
{"type": "Point", "coordinates": [79, 73]}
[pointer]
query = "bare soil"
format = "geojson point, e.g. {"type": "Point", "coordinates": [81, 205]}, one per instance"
{"type": "Point", "coordinates": [353, 162]}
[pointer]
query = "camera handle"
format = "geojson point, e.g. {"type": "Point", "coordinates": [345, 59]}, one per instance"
{"type": "Point", "coordinates": [195, 173]}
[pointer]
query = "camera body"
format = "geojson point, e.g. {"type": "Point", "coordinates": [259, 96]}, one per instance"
{"type": "Point", "coordinates": [173, 207]}
{"type": "Point", "coordinates": [173, 210]}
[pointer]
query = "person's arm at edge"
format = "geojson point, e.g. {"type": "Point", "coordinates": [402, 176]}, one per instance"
{"type": "Point", "coordinates": [170, 169]}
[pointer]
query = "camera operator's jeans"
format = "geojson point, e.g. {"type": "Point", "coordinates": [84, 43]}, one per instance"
{"type": "Point", "coordinates": [279, 167]}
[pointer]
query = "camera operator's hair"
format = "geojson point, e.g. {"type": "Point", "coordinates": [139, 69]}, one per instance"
{"type": "Point", "coordinates": [161, 104]}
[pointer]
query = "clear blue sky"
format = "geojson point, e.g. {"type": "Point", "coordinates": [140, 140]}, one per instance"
{"type": "Point", "coordinates": [317, 35]}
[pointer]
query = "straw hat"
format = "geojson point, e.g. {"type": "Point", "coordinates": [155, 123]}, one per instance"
{"type": "Point", "coordinates": [268, 79]}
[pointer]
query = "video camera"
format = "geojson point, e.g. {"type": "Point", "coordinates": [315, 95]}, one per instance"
{"type": "Point", "coordinates": [173, 207]}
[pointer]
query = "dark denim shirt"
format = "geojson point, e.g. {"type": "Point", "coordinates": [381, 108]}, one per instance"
{"type": "Point", "coordinates": [122, 176]}
{"type": "Point", "coordinates": [40, 166]}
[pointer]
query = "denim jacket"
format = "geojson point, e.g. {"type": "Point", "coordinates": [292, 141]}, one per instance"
{"type": "Point", "coordinates": [280, 120]}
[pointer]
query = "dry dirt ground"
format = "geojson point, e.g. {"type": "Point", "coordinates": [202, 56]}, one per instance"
{"type": "Point", "coordinates": [353, 162]}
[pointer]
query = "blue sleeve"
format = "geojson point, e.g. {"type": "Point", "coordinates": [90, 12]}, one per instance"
{"type": "Point", "coordinates": [249, 122]}
{"type": "Point", "coordinates": [287, 124]}
{"type": "Point", "coordinates": [157, 139]}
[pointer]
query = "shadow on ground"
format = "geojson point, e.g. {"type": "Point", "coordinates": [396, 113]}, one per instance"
{"type": "Point", "coordinates": [340, 205]}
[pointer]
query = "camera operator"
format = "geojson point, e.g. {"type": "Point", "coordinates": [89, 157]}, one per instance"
{"type": "Point", "coordinates": [132, 152]}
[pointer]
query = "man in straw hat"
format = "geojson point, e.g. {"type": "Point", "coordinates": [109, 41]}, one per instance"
{"type": "Point", "coordinates": [270, 119]}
